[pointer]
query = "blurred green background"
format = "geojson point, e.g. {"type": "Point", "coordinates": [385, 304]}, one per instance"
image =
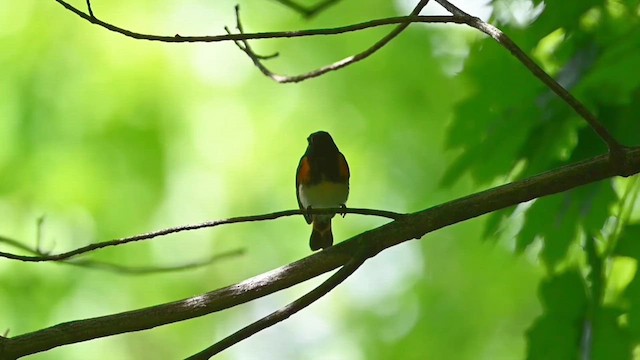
{"type": "Point", "coordinates": [105, 137]}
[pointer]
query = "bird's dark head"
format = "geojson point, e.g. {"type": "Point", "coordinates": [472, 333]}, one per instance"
{"type": "Point", "coordinates": [321, 142]}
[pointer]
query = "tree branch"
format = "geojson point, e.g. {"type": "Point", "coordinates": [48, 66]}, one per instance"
{"type": "Point", "coordinates": [411, 226]}
{"type": "Point", "coordinates": [309, 298]}
{"type": "Point", "coordinates": [395, 20]}
{"type": "Point", "coordinates": [615, 148]}
{"type": "Point", "coordinates": [401, 26]}
{"type": "Point", "coordinates": [333, 67]}
{"type": "Point", "coordinates": [459, 17]}
{"type": "Point", "coordinates": [209, 224]}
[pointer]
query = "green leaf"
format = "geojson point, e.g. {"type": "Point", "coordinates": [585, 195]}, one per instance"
{"type": "Point", "coordinates": [563, 13]}
{"type": "Point", "coordinates": [554, 220]}
{"type": "Point", "coordinates": [557, 219]}
{"type": "Point", "coordinates": [557, 332]}
{"type": "Point", "coordinates": [595, 276]}
{"type": "Point", "coordinates": [629, 245]}
{"type": "Point", "coordinates": [629, 242]}
{"type": "Point", "coordinates": [632, 293]}
{"type": "Point", "coordinates": [550, 143]}
{"type": "Point", "coordinates": [609, 82]}
{"type": "Point", "coordinates": [494, 220]}
{"type": "Point", "coordinates": [596, 202]}
{"type": "Point", "coordinates": [609, 339]}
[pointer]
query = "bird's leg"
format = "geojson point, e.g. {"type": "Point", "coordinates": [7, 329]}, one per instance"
{"type": "Point", "coordinates": [343, 213]}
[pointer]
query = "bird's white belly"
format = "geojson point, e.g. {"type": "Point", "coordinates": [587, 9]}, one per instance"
{"type": "Point", "coordinates": [323, 195]}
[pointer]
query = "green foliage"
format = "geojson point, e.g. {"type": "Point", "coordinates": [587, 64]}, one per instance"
{"type": "Point", "coordinates": [109, 137]}
{"type": "Point", "coordinates": [521, 129]}
{"type": "Point", "coordinates": [629, 246]}
{"type": "Point", "coordinates": [557, 333]}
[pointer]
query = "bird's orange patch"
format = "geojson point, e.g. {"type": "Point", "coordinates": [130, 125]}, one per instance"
{"type": "Point", "coordinates": [304, 173]}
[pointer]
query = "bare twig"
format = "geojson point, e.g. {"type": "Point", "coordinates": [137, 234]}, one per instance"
{"type": "Point", "coordinates": [408, 227]}
{"type": "Point", "coordinates": [18, 245]}
{"type": "Point", "coordinates": [402, 24]}
{"type": "Point", "coordinates": [39, 224]}
{"type": "Point", "coordinates": [614, 146]}
{"type": "Point", "coordinates": [208, 224]}
{"type": "Point", "coordinates": [147, 270]}
{"type": "Point", "coordinates": [89, 8]}
{"type": "Point", "coordinates": [124, 269]}
{"type": "Point", "coordinates": [262, 35]}
{"type": "Point", "coordinates": [282, 314]}
{"type": "Point", "coordinates": [335, 66]}
{"type": "Point", "coordinates": [459, 17]}
{"type": "Point", "coordinates": [246, 48]}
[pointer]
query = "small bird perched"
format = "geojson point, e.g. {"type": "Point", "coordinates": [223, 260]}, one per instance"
{"type": "Point", "coordinates": [322, 181]}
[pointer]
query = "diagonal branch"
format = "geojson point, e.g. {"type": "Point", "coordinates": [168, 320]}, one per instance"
{"type": "Point", "coordinates": [459, 17]}
{"type": "Point", "coordinates": [309, 298]}
{"type": "Point", "coordinates": [335, 66]}
{"type": "Point", "coordinates": [90, 9]}
{"type": "Point", "coordinates": [615, 148]}
{"type": "Point", "coordinates": [408, 227]}
{"type": "Point", "coordinates": [208, 224]}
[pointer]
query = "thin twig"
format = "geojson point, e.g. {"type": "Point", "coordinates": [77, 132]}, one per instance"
{"type": "Point", "coordinates": [402, 24]}
{"type": "Point", "coordinates": [89, 8]}
{"type": "Point", "coordinates": [614, 146]}
{"type": "Point", "coordinates": [282, 314]}
{"type": "Point", "coordinates": [262, 35]}
{"type": "Point", "coordinates": [124, 269]}
{"type": "Point", "coordinates": [148, 270]}
{"type": "Point", "coordinates": [39, 224]}
{"type": "Point", "coordinates": [246, 48]}
{"type": "Point", "coordinates": [459, 17]}
{"type": "Point", "coordinates": [207, 224]}
{"type": "Point", "coordinates": [335, 66]}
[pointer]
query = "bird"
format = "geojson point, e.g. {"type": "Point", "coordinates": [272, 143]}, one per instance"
{"type": "Point", "coordinates": [322, 181]}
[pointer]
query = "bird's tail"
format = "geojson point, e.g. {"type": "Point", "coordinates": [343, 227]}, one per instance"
{"type": "Point", "coordinates": [321, 235]}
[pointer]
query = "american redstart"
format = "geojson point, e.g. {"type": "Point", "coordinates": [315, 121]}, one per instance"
{"type": "Point", "coordinates": [322, 181]}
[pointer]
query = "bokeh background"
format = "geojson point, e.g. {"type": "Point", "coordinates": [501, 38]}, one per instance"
{"type": "Point", "coordinates": [104, 136]}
